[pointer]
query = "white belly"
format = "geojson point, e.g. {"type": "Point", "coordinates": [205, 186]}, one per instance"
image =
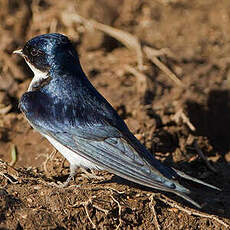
{"type": "Point", "coordinates": [72, 157]}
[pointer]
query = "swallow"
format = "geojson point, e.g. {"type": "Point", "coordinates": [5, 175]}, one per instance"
{"type": "Point", "coordinates": [78, 121]}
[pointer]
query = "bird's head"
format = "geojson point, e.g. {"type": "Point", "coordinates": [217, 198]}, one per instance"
{"type": "Point", "coordinates": [45, 50]}
{"type": "Point", "coordinates": [49, 51]}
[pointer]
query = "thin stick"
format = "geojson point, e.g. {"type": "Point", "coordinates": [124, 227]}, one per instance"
{"type": "Point", "coordinates": [152, 206]}
{"type": "Point", "coordinates": [13, 155]}
{"type": "Point", "coordinates": [185, 119]}
{"type": "Point", "coordinates": [119, 211]}
{"type": "Point", "coordinates": [87, 213]}
{"type": "Point", "coordinates": [48, 157]}
{"type": "Point", "coordinates": [85, 205]}
{"type": "Point", "coordinates": [141, 79]}
{"type": "Point", "coordinates": [101, 209]}
{"type": "Point", "coordinates": [5, 110]}
{"type": "Point", "coordinates": [192, 211]}
{"type": "Point", "coordinates": [200, 152]}
{"type": "Point", "coordinates": [127, 39]}
{"type": "Point", "coordinates": [150, 54]}
{"type": "Point", "coordinates": [9, 178]}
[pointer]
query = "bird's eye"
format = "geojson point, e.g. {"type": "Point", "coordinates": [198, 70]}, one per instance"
{"type": "Point", "coordinates": [34, 52]}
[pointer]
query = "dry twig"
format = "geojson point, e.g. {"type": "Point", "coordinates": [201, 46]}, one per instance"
{"type": "Point", "coordinates": [152, 206]}
{"type": "Point", "coordinates": [87, 213]}
{"type": "Point", "coordinates": [119, 212]}
{"type": "Point", "coordinates": [190, 211]}
{"type": "Point", "coordinates": [101, 209]}
{"type": "Point", "coordinates": [141, 79]}
{"type": "Point", "coordinates": [85, 206]}
{"type": "Point", "coordinates": [5, 110]}
{"type": "Point", "coordinates": [200, 152]}
{"type": "Point", "coordinates": [13, 155]}
{"type": "Point", "coordinates": [96, 188]}
{"type": "Point", "coordinates": [150, 53]}
{"type": "Point", "coordinates": [127, 39]}
{"type": "Point", "coordinates": [10, 178]}
{"type": "Point", "coordinates": [48, 157]}
{"type": "Point", "coordinates": [91, 174]}
{"type": "Point", "coordinates": [180, 114]}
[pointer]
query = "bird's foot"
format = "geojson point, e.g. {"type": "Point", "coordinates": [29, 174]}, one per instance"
{"type": "Point", "coordinates": [91, 175]}
{"type": "Point", "coordinates": [60, 184]}
{"type": "Point", "coordinates": [70, 177]}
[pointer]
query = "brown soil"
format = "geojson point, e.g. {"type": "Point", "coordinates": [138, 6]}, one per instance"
{"type": "Point", "coordinates": [197, 37]}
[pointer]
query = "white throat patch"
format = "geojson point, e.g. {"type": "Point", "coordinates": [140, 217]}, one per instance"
{"type": "Point", "coordinates": [39, 76]}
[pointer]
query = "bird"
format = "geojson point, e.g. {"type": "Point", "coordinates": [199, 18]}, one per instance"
{"type": "Point", "coordinates": [63, 105]}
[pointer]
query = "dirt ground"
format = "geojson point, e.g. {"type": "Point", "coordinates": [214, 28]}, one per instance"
{"type": "Point", "coordinates": [185, 122]}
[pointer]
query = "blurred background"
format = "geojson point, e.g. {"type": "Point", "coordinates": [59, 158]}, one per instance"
{"type": "Point", "coordinates": [163, 64]}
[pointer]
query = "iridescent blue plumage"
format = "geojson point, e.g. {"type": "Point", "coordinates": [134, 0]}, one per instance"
{"type": "Point", "coordinates": [69, 111]}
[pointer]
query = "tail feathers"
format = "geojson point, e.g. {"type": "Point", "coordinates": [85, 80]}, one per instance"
{"type": "Point", "coordinates": [182, 191]}
{"type": "Point", "coordinates": [183, 175]}
{"type": "Point", "coordinates": [184, 196]}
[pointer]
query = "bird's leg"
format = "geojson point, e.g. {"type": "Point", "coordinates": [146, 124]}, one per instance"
{"type": "Point", "coordinates": [91, 174]}
{"type": "Point", "coordinates": [73, 169]}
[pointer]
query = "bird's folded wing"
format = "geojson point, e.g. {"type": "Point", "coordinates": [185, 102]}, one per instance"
{"type": "Point", "coordinates": [111, 146]}
{"type": "Point", "coordinates": [106, 147]}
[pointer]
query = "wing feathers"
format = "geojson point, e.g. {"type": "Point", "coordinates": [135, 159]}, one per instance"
{"type": "Point", "coordinates": [124, 163]}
